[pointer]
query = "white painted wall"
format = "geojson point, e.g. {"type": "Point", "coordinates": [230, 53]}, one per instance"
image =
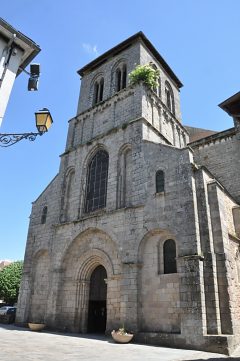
{"type": "Point", "coordinates": [9, 77]}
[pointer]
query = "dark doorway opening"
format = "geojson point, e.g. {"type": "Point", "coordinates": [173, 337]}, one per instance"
{"type": "Point", "coordinates": [97, 306]}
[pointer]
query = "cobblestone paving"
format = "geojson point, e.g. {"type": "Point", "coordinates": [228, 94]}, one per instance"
{"type": "Point", "coordinates": [20, 344]}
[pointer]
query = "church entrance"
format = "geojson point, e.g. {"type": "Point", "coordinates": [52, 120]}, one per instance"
{"type": "Point", "coordinates": [97, 306]}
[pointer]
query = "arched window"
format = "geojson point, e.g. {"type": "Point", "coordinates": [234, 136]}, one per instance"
{"type": "Point", "coordinates": [96, 190]}
{"type": "Point", "coordinates": [169, 256]}
{"type": "Point", "coordinates": [101, 86]}
{"type": "Point", "coordinates": [121, 77]}
{"type": "Point", "coordinates": [124, 76]}
{"type": "Point", "coordinates": [98, 91]}
{"type": "Point", "coordinates": [157, 89]}
{"type": "Point", "coordinates": [159, 181]}
{"type": "Point", "coordinates": [118, 80]}
{"type": "Point", "coordinates": [169, 97]}
{"type": "Point", "coordinates": [44, 215]}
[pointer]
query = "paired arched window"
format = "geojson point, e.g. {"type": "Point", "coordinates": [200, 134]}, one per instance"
{"type": "Point", "coordinates": [169, 97]}
{"type": "Point", "coordinates": [121, 77]}
{"type": "Point", "coordinates": [159, 181]}
{"type": "Point", "coordinates": [97, 176]}
{"type": "Point", "coordinates": [169, 256]}
{"type": "Point", "coordinates": [44, 215]}
{"type": "Point", "coordinates": [98, 91]}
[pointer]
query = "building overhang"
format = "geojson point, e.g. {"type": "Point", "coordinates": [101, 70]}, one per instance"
{"type": "Point", "coordinates": [30, 48]}
{"type": "Point", "coordinates": [232, 105]}
{"type": "Point", "coordinates": [124, 45]}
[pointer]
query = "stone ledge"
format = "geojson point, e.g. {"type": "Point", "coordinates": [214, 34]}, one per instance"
{"type": "Point", "coordinates": [224, 344]}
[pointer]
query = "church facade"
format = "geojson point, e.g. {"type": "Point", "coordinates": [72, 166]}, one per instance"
{"type": "Point", "coordinates": [141, 226]}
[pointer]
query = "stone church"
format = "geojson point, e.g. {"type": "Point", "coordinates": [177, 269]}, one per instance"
{"type": "Point", "coordinates": [141, 226]}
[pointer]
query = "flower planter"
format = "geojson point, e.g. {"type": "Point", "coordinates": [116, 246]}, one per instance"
{"type": "Point", "coordinates": [36, 326]}
{"type": "Point", "coordinates": [121, 338]}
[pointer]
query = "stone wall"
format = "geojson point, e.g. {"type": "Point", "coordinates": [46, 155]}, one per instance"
{"type": "Point", "coordinates": [145, 58]}
{"type": "Point", "coordinates": [130, 56]}
{"type": "Point", "coordinates": [220, 154]}
{"type": "Point", "coordinates": [159, 297]}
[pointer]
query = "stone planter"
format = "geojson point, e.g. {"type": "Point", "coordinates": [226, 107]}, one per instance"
{"type": "Point", "coordinates": [121, 338]}
{"type": "Point", "coordinates": [36, 326]}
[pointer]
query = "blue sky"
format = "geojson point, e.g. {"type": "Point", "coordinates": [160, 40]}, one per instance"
{"type": "Point", "coordinates": [199, 39]}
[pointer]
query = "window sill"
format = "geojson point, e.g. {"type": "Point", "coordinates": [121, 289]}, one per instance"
{"type": "Point", "coordinates": [160, 193]}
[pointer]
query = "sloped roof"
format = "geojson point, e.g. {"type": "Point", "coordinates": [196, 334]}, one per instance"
{"type": "Point", "coordinates": [232, 105]}
{"type": "Point", "coordinates": [198, 133]}
{"type": "Point", "coordinates": [125, 44]}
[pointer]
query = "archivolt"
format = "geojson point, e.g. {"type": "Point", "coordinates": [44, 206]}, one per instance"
{"type": "Point", "coordinates": [90, 260]}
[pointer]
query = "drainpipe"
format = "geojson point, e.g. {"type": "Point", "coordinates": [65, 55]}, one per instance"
{"type": "Point", "coordinates": [6, 56]}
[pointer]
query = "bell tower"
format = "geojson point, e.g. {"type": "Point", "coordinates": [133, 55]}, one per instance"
{"type": "Point", "coordinates": [108, 101]}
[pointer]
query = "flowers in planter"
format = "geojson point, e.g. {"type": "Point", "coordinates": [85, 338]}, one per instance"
{"type": "Point", "coordinates": [122, 335]}
{"type": "Point", "coordinates": [145, 73]}
{"type": "Point", "coordinates": [122, 331]}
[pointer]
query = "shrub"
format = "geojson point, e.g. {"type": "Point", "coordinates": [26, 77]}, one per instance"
{"type": "Point", "coordinates": [10, 277]}
{"type": "Point", "coordinates": [145, 73]}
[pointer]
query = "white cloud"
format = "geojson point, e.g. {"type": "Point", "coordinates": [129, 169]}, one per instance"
{"type": "Point", "coordinates": [90, 49]}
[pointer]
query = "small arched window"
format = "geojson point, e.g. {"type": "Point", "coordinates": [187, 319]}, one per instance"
{"type": "Point", "coordinates": [157, 89]}
{"type": "Point", "coordinates": [169, 256]}
{"type": "Point", "coordinates": [98, 91]}
{"type": "Point", "coordinates": [159, 181]}
{"type": "Point", "coordinates": [121, 77]}
{"type": "Point", "coordinates": [44, 215]}
{"type": "Point", "coordinates": [101, 86]}
{"type": "Point", "coordinates": [118, 79]}
{"type": "Point", "coordinates": [96, 190]}
{"type": "Point", "coordinates": [169, 97]}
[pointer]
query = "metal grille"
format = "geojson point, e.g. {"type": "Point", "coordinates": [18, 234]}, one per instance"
{"type": "Point", "coordinates": [169, 255]}
{"type": "Point", "coordinates": [97, 182]}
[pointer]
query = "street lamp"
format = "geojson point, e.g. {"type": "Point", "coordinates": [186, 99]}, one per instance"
{"type": "Point", "coordinates": [43, 123]}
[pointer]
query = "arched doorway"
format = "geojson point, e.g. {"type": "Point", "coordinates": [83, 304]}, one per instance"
{"type": "Point", "coordinates": [97, 306]}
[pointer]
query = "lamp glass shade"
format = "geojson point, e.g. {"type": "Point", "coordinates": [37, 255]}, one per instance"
{"type": "Point", "coordinates": [43, 120]}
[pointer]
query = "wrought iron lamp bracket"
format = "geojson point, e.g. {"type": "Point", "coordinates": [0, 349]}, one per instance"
{"type": "Point", "coordinates": [6, 140]}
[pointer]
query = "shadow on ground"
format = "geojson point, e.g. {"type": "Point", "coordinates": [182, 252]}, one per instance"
{"type": "Point", "coordinates": [215, 359]}
{"type": "Point", "coordinates": [102, 337]}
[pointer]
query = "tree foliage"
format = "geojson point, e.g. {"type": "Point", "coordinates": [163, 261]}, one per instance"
{"type": "Point", "coordinates": [10, 277]}
{"type": "Point", "coordinates": [145, 73]}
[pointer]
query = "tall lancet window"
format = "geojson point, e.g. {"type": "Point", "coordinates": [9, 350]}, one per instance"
{"type": "Point", "coordinates": [159, 181]}
{"type": "Point", "coordinates": [169, 256]}
{"type": "Point", "coordinates": [169, 97]}
{"type": "Point", "coordinates": [121, 77]}
{"type": "Point", "coordinates": [96, 190]}
{"type": "Point", "coordinates": [98, 91]}
{"type": "Point", "coordinates": [44, 215]}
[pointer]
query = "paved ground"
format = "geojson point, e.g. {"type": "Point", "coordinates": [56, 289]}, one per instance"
{"type": "Point", "coordinates": [20, 344]}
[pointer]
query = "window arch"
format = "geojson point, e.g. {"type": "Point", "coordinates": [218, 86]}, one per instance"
{"type": "Point", "coordinates": [169, 97]}
{"type": "Point", "coordinates": [98, 91]}
{"type": "Point", "coordinates": [97, 176]}
{"type": "Point", "coordinates": [121, 77]}
{"type": "Point", "coordinates": [160, 181]}
{"type": "Point", "coordinates": [44, 215]}
{"type": "Point", "coordinates": [169, 256]}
